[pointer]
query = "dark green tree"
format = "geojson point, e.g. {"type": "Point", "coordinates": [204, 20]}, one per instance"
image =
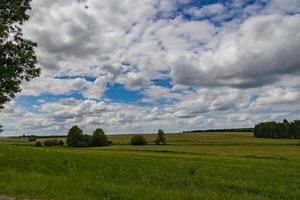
{"type": "Point", "coordinates": [138, 140]}
{"type": "Point", "coordinates": [99, 138]}
{"type": "Point", "coordinates": [75, 137]}
{"type": "Point", "coordinates": [161, 139]}
{"type": "Point", "coordinates": [1, 130]}
{"type": "Point", "coordinates": [18, 61]}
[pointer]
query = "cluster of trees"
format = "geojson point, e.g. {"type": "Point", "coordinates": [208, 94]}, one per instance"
{"type": "Point", "coordinates": [273, 129]}
{"type": "Point", "coordinates": [76, 138]}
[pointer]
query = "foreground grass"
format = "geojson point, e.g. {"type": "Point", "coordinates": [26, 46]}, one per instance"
{"type": "Point", "coordinates": [126, 172]}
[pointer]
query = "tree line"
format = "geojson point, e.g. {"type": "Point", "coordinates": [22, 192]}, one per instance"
{"type": "Point", "coordinates": [274, 129]}
{"type": "Point", "coordinates": [76, 138]}
{"type": "Point", "coordinates": [221, 130]}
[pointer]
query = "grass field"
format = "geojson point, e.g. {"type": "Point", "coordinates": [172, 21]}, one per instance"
{"type": "Point", "coordinates": [190, 166]}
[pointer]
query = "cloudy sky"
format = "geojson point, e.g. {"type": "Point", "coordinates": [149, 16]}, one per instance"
{"type": "Point", "coordinates": [133, 66]}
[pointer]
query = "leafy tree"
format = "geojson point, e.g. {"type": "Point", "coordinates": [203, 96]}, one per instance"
{"type": "Point", "coordinates": [138, 140]}
{"type": "Point", "coordinates": [1, 130]}
{"type": "Point", "coordinates": [161, 139]}
{"type": "Point", "coordinates": [99, 138]}
{"type": "Point", "coordinates": [18, 61]}
{"type": "Point", "coordinates": [75, 137]}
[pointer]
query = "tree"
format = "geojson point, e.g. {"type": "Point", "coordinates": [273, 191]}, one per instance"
{"type": "Point", "coordinates": [138, 140]}
{"type": "Point", "coordinates": [18, 61]}
{"type": "Point", "coordinates": [161, 139]}
{"type": "Point", "coordinates": [99, 138]}
{"type": "Point", "coordinates": [75, 137]}
{"type": "Point", "coordinates": [1, 130]}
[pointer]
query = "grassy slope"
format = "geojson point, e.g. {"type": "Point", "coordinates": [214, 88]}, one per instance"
{"type": "Point", "coordinates": [195, 166]}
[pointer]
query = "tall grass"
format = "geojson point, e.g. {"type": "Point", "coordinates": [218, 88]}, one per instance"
{"type": "Point", "coordinates": [105, 173]}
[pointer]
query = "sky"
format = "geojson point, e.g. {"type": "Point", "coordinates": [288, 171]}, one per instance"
{"type": "Point", "coordinates": [132, 66]}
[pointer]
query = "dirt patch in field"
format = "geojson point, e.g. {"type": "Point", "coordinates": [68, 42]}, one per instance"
{"type": "Point", "coordinates": [11, 198]}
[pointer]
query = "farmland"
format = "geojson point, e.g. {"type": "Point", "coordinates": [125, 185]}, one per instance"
{"type": "Point", "coordinates": [189, 166]}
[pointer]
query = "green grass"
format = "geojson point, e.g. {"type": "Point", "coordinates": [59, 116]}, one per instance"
{"type": "Point", "coordinates": [191, 166]}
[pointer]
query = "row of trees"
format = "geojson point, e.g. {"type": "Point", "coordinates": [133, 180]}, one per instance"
{"type": "Point", "coordinates": [273, 129]}
{"type": "Point", "coordinates": [76, 138]}
{"type": "Point", "coordinates": [221, 130]}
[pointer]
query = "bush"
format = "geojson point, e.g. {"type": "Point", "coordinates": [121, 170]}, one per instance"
{"type": "Point", "coordinates": [138, 140]}
{"type": "Point", "coordinates": [31, 138]}
{"type": "Point", "coordinates": [49, 143]}
{"type": "Point", "coordinates": [53, 142]}
{"type": "Point", "coordinates": [38, 144]}
{"type": "Point", "coordinates": [99, 138]}
{"type": "Point", "coordinates": [61, 143]}
{"type": "Point", "coordinates": [75, 137]}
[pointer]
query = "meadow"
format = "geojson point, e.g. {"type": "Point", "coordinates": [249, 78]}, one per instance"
{"type": "Point", "coordinates": [190, 166]}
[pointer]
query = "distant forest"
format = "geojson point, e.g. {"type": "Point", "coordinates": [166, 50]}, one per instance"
{"type": "Point", "coordinates": [222, 130]}
{"type": "Point", "coordinates": [273, 129]}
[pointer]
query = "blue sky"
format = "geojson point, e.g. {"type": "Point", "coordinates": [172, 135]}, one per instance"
{"type": "Point", "coordinates": [132, 67]}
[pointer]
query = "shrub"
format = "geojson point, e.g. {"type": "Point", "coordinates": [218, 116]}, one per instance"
{"type": "Point", "coordinates": [99, 138]}
{"type": "Point", "coordinates": [49, 143]}
{"type": "Point", "coordinates": [31, 138]}
{"type": "Point", "coordinates": [61, 143]}
{"type": "Point", "coordinates": [38, 144]}
{"type": "Point", "coordinates": [53, 142]}
{"type": "Point", "coordinates": [161, 139]}
{"type": "Point", "coordinates": [75, 137]}
{"type": "Point", "coordinates": [138, 140]}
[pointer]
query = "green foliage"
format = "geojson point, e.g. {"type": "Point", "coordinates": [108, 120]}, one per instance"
{"type": "Point", "coordinates": [48, 143]}
{"type": "Point", "coordinates": [161, 139]}
{"type": "Point", "coordinates": [278, 130]}
{"type": "Point", "coordinates": [61, 143]}
{"type": "Point", "coordinates": [99, 138]}
{"type": "Point", "coordinates": [138, 140]}
{"type": "Point", "coordinates": [53, 142]}
{"type": "Point", "coordinates": [75, 137]}
{"type": "Point", "coordinates": [18, 61]}
{"type": "Point", "coordinates": [38, 144]}
{"type": "Point", "coordinates": [32, 138]}
{"type": "Point", "coordinates": [1, 130]}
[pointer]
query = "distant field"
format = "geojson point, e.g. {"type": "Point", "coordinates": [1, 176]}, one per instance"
{"type": "Point", "coordinates": [190, 166]}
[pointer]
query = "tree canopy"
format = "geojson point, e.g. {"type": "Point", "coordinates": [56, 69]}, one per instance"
{"type": "Point", "coordinates": [75, 137]}
{"type": "Point", "coordinates": [18, 61]}
{"type": "Point", "coordinates": [278, 130]}
{"type": "Point", "coordinates": [161, 139]}
{"type": "Point", "coordinates": [99, 138]}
